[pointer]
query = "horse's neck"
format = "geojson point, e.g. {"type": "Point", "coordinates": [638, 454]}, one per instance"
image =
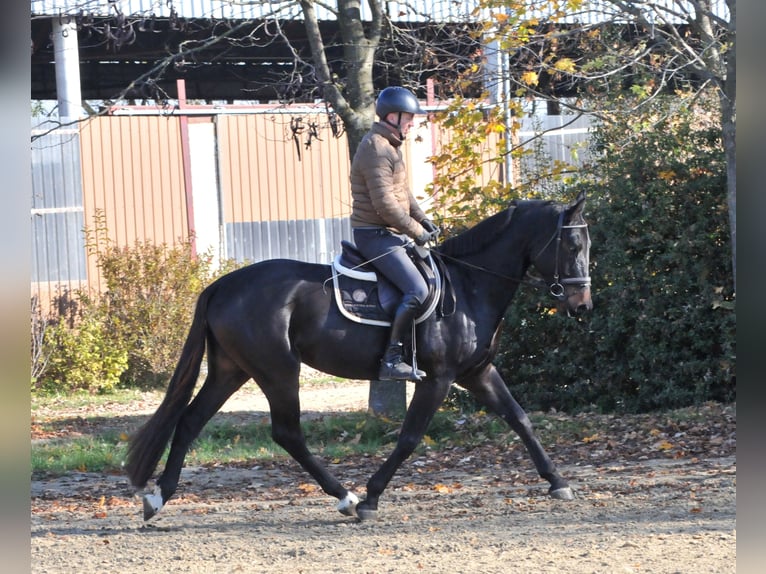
{"type": "Point", "coordinates": [489, 281]}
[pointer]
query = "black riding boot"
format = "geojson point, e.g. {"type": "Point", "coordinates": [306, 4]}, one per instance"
{"type": "Point", "coordinates": [392, 365]}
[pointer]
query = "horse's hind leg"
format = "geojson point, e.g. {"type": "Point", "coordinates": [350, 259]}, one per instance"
{"type": "Point", "coordinates": [223, 379]}
{"type": "Point", "coordinates": [489, 389]}
{"type": "Point", "coordinates": [282, 394]}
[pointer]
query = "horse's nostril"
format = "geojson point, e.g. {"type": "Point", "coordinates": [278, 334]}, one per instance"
{"type": "Point", "coordinates": [583, 308]}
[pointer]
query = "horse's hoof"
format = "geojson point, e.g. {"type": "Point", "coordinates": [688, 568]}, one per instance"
{"type": "Point", "coordinates": [152, 503]}
{"type": "Point", "coordinates": [366, 514]}
{"type": "Point", "coordinates": [347, 505]}
{"type": "Point", "coordinates": [564, 493]}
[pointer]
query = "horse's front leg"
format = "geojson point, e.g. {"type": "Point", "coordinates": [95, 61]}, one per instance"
{"type": "Point", "coordinates": [489, 389]}
{"type": "Point", "coordinates": [426, 399]}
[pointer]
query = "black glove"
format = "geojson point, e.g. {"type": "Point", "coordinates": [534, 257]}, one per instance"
{"type": "Point", "coordinates": [432, 230]}
{"type": "Point", "coordinates": [423, 238]}
{"type": "Point", "coordinates": [429, 226]}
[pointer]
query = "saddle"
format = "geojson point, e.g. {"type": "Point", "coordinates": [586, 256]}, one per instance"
{"type": "Point", "coordinates": [366, 296]}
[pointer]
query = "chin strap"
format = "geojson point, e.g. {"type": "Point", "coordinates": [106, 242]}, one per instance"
{"type": "Point", "coordinates": [397, 126]}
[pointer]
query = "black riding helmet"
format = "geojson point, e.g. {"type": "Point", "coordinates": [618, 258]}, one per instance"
{"type": "Point", "coordinates": [396, 99]}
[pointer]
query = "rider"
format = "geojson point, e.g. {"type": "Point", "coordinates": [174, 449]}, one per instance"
{"type": "Point", "coordinates": [385, 217]}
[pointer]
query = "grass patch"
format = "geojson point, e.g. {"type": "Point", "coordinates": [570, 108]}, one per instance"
{"type": "Point", "coordinates": [332, 437]}
{"type": "Point", "coordinates": [98, 444]}
{"type": "Point", "coordinates": [80, 399]}
{"type": "Point", "coordinates": [98, 453]}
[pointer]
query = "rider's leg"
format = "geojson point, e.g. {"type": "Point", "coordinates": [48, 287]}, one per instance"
{"type": "Point", "coordinates": [387, 252]}
{"type": "Point", "coordinates": [392, 365]}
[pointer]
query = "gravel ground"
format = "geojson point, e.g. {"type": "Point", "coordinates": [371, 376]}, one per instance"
{"type": "Point", "coordinates": [442, 513]}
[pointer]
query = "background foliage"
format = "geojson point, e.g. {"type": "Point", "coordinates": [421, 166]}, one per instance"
{"type": "Point", "coordinates": [130, 335]}
{"type": "Point", "coordinates": [662, 333]}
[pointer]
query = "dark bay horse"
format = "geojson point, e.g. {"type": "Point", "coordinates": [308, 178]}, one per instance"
{"type": "Point", "coordinates": [264, 320]}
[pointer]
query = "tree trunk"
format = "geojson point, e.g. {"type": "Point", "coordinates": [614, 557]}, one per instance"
{"type": "Point", "coordinates": [356, 107]}
{"type": "Point", "coordinates": [388, 398]}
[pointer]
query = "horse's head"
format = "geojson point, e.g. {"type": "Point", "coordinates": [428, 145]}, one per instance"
{"type": "Point", "coordinates": [564, 260]}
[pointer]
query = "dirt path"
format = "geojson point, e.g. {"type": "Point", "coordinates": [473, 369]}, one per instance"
{"type": "Point", "coordinates": [631, 514]}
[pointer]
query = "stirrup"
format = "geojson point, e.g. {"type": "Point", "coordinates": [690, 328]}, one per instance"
{"type": "Point", "coordinates": [399, 371]}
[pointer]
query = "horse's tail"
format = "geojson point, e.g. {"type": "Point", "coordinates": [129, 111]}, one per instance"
{"type": "Point", "coordinates": [147, 445]}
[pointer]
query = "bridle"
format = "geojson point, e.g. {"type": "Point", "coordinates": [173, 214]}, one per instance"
{"type": "Point", "coordinates": [557, 287]}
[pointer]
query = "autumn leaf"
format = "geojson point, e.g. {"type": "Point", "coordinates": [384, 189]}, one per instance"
{"type": "Point", "coordinates": [530, 78]}
{"type": "Point", "coordinates": [307, 487]}
{"type": "Point", "coordinates": [565, 65]}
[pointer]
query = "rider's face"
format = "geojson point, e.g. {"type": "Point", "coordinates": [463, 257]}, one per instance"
{"type": "Point", "coordinates": [408, 121]}
{"type": "Point", "coordinates": [405, 124]}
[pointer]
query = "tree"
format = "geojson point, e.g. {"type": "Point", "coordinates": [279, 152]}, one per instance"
{"type": "Point", "coordinates": [644, 48]}
{"type": "Point", "coordinates": [346, 52]}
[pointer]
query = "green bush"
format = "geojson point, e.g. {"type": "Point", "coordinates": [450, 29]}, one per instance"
{"type": "Point", "coordinates": [662, 332]}
{"type": "Point", "coordinates": [150, 295]}
{"type": "Point", "coordinates": [133, 332]}
{"type": "Point", "coordinates": [82, 357]}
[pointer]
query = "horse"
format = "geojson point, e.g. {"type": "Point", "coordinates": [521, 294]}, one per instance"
{"type": "Point", "coordinates": [264, 320]}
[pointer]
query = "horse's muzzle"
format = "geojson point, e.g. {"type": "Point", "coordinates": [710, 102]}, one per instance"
{"type": "Point", "coordinates": [576, 301]}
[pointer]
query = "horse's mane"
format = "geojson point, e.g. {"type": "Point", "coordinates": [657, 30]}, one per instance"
{"type": "Point", "coordinates": [485, 232]}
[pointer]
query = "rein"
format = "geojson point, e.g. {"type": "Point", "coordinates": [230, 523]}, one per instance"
{"type": "Point", "coordinates": [556, 288]}
{"type": "Point", "coordinates": [536, 284]}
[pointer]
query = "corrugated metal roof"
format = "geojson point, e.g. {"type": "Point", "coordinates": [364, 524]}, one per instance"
{"type": "Point", "coordinates": [244, 9]}
{"type": "Point", "coordinates": [416, 10]}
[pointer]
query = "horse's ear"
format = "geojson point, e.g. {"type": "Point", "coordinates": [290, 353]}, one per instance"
{"type": "Point", "coordinates": [576, 208]}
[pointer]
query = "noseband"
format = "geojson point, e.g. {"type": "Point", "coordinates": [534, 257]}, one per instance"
{"type": "Point", "coordinates": [557, 287]}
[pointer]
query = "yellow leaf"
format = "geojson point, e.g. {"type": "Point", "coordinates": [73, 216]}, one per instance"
{"type": "Point", "coordinates": [530, 78]}
{"type": "Point", "coordinates": [442, 488]}
{"type": "Point", "coordinates": [667, 175]}
{"type": "Point", "coordinates": [663, 445]}
{"type": "Point", "coordinates": [565, 65]}
{"type": "Point", "coordinates": [591, 438]}
{"type": "Point", "coordinates": [429, 441]}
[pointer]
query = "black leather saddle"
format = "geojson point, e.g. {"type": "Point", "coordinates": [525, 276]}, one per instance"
{"type": "Point", "coordinates": [366, 296]}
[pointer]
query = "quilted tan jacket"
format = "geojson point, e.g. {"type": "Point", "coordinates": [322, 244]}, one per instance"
{"type": "Point", "coordinates": [379, 190]}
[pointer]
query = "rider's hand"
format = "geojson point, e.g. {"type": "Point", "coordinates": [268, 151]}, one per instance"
{"type": "Point", "coordinates": [423, 238]}
{"type": "Point", "coordinates": [432, 230]}
{"type": "Point", "coordinates": [429, 226]}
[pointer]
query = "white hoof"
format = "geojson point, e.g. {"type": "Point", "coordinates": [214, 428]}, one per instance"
{"type": "Point", "coordinates": [152, 503]}
{"type": "Point", "coordinates": [562, 493]}
{"type": "Point", "coordinates": [347, 505]}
